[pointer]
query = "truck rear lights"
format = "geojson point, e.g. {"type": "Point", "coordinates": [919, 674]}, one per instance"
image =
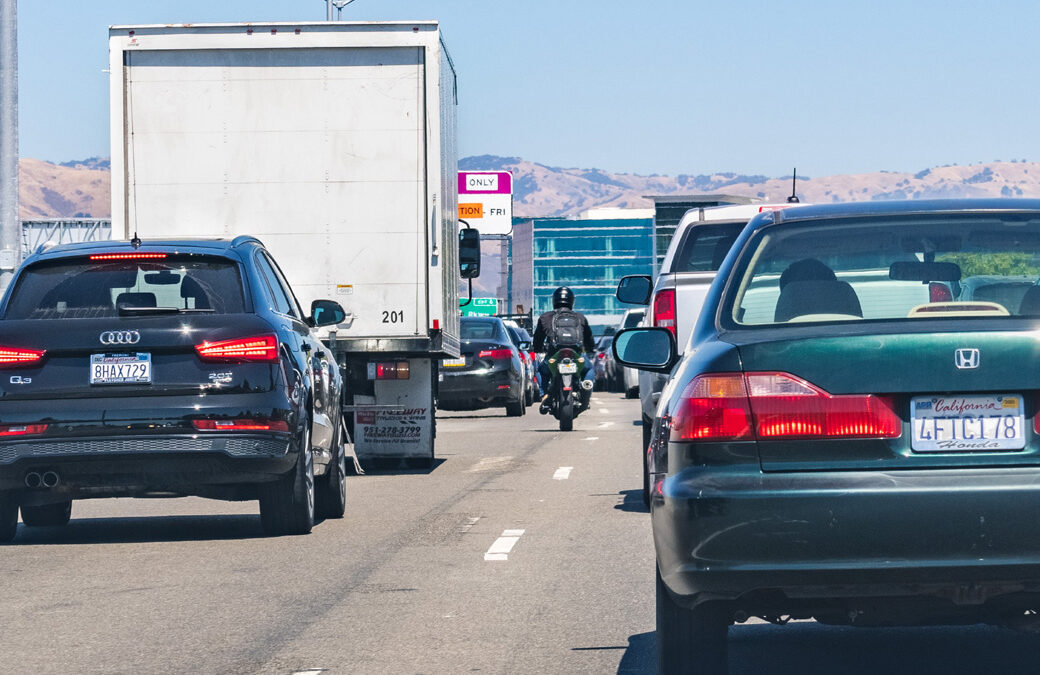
{"type": "Point", "coordinates": [496, 354]}
{"type": "Point", "coordinates": [128, 256]}
{"type": "Point", "coordinates": [22, 429]}
{"type": "Point", "coordinates": [389, 370]}
{"type": "Point", "coordinates": [14, 357]}
{"type": "Point", "coordinates": [778, 406]}
{"type": "Point", "coordinates": [244, 424]}
{"type": "Point", "coordinates": [260, 348]}
{"type": "Point", "coordinates": [664, 310]}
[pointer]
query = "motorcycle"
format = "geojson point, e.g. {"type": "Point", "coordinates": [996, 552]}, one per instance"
{"type": "Point", "coordinates": [568, 391]}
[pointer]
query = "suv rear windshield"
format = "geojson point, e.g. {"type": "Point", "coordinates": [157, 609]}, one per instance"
{"type": "Point", "coordinates": [77, 288]}
{"type": "Point", "coordinates": [704, 247]}
{"type": "Point", "coordinates": [939, 267]}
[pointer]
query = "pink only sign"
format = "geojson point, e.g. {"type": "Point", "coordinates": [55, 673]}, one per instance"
{"type": "Point", "coordinates": [485, 182]}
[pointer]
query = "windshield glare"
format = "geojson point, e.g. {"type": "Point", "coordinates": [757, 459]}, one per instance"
{"type": "Point", "coordinates": [981, 267]}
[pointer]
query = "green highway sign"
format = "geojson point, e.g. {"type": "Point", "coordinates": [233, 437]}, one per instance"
{"type": "Point", "coordinates": [479, 307]}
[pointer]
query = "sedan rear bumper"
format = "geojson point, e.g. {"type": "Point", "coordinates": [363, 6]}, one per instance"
{"type": "Point", "coordinates": [964, 536]}
{"type": "Point", "coordinates": [488, 386]}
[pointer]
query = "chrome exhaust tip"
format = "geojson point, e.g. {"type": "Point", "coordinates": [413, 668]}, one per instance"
{"type": "Point", "coordinates": [50, 479]}
{"type": "Point", "coordinates": [33, 480]}
{"type": "Point", "coordinates": [586, 385]}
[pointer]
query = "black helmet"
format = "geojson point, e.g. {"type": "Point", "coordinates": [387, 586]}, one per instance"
{"type": "Point", "coordinates": [563, 297]}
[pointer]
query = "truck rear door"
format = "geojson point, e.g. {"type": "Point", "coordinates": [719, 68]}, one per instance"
{"type": "Point", "coordinates": [319, 152]}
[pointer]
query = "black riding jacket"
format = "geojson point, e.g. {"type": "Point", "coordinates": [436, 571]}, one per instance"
{"type": "Point", "coordinates": [544, 327]}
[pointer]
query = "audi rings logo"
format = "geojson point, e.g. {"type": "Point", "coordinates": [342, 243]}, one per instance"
{"type": "Point", "coordinates": [120, 337]}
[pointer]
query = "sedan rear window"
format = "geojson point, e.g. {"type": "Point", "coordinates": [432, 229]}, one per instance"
{"type": "Point", "coordinates": [949, 266]}
{"type": "Point", "coordinates": [78, 288]}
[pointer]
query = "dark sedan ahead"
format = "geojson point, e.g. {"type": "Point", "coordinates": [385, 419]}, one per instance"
{"type": "Point", "coordinates": [488, 373]}
{"type": "Point", "coordinates": [840, 442]}
{"type": "Point", "coordinates": [166, 369]}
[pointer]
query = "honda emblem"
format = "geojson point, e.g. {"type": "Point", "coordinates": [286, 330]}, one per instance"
{"type": "Point", "coordinates": [965, 359]}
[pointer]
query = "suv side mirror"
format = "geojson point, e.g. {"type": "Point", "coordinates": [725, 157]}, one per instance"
{"type": "Point", "coordinates": [469, 253]}
{"type": "Point", "coordinates": [650, 349]}
{"type": "Point", "coordinates": [635, 289]}
{"type": "Point", "coordinates": [326, 313]}
{"type": "Point", "coordinates": [524, 346]}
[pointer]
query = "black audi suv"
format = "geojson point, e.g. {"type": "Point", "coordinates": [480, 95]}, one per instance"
{"type": "Point", "coordinates": [488, 373]}
{"type": "Point", "coordinates": [166, 368]}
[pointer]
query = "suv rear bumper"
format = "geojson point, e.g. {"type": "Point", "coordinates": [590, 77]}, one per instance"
{"type": "Point", "coordinates": [960, 535]}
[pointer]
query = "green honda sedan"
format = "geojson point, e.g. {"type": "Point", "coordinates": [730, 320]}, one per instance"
{"type": "Point", "coordinates": [852, 433]}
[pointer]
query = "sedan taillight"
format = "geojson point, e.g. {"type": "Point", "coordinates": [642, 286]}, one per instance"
{"type": "Point", "coordinates": [260, 348]}
{"type": "Point", "coordinates": [16, 357]}
{"type": "Point", "coordinates": [744, 406]}
{"type": "Point", "coordinates": [496, 354]}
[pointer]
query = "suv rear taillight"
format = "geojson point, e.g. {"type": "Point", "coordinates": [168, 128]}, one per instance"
{"type": "Point", "coordinates": [22, 429]}
{"type": "Point", "coordinates": [16, 357]}
{"type": "Point", "coordinates": [246, 424]}
{"type": "Point", "coordinates": [664, 310]}
{"type": "Point", "coordinates": [260, 348]}
{"type": "Point", "coordinates": [744, 406]}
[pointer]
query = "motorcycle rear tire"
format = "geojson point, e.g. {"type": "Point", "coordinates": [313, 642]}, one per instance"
{"type": "Point", "coordinates": [566, 415]}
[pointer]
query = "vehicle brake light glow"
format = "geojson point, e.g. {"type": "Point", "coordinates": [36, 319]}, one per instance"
{"type": "Point", "coordinates": [394, 370]}
{"type": "Point", "coordinates": [260, 348]}
{"type": "Point", "coordinates": [246, 424]}
{"type": "Point", "coordinates": [496, 354]}
{"type": "Point", "coordinates": [22, 430]}
{"type": "Point", "coordinates": [16, 356]}
{"type": "Point", "coordinates": [128, 256]}
{"type": "Point", "coordinates": [664, 310]}
{"type": "Point", "coordinates": [939, 292]}
{"type": "Point", "coordinates": [778, 406]}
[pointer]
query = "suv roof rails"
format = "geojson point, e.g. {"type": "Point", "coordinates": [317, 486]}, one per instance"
{"type": "Point", "coordinates": [245, 239]}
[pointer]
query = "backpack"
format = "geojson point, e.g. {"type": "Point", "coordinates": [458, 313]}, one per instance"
{"type": "Point", "coordinates": [566, 330]}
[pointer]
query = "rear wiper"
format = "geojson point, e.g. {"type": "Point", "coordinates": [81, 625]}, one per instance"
{"type": "Point", "coordinates": [140, 311]}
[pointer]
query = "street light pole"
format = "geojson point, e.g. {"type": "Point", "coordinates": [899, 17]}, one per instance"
{"type": "Point", "coordinates": [339, 5]}
{"type": "Point", "coordinates": [10, 224]}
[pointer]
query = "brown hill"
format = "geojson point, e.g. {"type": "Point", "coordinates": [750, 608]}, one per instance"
{"type": "Point", "coordinates": [82, 188]}
{"type": "Point", "coordinates": [48, 190]}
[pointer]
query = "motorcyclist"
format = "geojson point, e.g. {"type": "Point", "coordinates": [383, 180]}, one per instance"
{"type": "Point", "coordinates": [545, 342]}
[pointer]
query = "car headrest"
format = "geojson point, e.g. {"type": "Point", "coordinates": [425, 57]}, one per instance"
{"type": "Point", "coordinates": [799, 298]}
{"type": "Point", "coordinates": [135, 300]}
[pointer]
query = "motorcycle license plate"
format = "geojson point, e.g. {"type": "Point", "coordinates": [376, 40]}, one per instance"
{"type": "Point", "coordinates": [568, 367]}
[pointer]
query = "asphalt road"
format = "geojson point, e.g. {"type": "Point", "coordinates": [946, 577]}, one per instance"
{"type": "Point", "coordinates": [498, 560]}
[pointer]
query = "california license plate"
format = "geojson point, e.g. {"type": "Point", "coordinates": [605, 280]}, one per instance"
{"type": "Point", "coordinates": [121, 368]}
{"type": "Point", "coordinates": [454, 363]}
{"type": "Point", "coordinates": [967, 423]}
{"type": "Point", "coordinates": [568, 367]}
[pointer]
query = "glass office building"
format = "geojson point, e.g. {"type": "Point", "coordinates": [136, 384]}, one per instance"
{"type": "Point", "coordinates": [589, 256]}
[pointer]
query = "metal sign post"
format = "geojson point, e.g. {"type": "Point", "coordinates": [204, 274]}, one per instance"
{"type": "Point", "coordinates": [10, 226]}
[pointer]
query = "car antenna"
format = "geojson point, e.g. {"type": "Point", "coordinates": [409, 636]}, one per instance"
{"type": "Point", "coordinates": [793, 199]}
{"type": "Point", "coordinates": [136, 241]}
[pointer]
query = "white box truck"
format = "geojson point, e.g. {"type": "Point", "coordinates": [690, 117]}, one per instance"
{"type": "Point", "coordinates": [334, 144]}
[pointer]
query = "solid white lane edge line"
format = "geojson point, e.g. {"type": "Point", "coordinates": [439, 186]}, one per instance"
{"type": "Point", "coordinates": [563, 473]}
{"type": "Point", "coordinates": [503, 545]}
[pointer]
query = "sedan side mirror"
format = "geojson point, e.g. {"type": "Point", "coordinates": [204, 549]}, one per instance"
{"type": "Point", "coordinates": [651, 349]}
{"type": "Point", "coordinates": [524, 346]}
{"type": "Point", "coordinates": [326, 313]}
{"type": "Point", "coordinates": [469, 253]}
{"type": "Point", "coordinates": [635, 289]}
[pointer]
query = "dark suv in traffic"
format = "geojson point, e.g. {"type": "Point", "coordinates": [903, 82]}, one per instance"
{"type": "Point", "coordinates": [166, 368]}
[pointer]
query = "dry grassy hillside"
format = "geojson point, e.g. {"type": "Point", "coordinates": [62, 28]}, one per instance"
{"type": "Point", "coordinates": [82, 188]}
{"type": "Point", "coordinates": [48, 190]}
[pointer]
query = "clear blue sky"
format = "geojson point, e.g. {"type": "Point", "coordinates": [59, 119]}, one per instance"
{"type": "Point", "coordinates": [677, 86]}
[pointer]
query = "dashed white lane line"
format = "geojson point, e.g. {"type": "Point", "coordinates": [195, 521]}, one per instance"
{"type": "Point", "coordinates": [604, 425]}
{"type": "Point", "coordinates": [604, 411]}
{"type": "Point", "coordinates": [503, 545]}
{"type": "Point", "coordinates": [563, 473]}
{"type": "Point", "coordinates": [490, 464]}
{"type": "Point", "coordinates": [312, 671]}
{"type": "Point", "coordinates": [591, 438]}
{"type": "Point", "coordinates": [468, 525]}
